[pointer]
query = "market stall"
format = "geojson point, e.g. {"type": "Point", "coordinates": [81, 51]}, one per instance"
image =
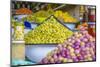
{"type": "Point", "coordinates": [52, 33]}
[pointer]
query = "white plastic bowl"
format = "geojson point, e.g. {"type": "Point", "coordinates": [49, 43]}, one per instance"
{"type": "Point", "coordinates": [36, 53]}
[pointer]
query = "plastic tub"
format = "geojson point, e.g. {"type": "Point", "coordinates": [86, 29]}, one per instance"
{"type": "Point", "coordinates": [36, 53]}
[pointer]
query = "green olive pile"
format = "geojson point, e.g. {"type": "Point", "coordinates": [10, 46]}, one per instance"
{"type": "Point", "coordinates": [51, 31]}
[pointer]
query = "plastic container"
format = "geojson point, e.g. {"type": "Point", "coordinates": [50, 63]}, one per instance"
{"type": "Point", "coordinates": [18, 50]}
{"type": "Point", "coordinates": [19, 33]}
{"type": "Point", "coordinates": [92, 12]}
{"type": "Point", "coordinates": [36, 53]}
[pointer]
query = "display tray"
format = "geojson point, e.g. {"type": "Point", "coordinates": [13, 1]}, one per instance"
{"type": "Point", "coordinates": [71, 26]}
{"type": "Point", "coordinates": [35, 53]}
{"type": "Point", "coordinates": [20, 16]}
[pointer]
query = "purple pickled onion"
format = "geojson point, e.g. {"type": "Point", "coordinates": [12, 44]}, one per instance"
{"type": "Point", "coordinates": [66, 42]}
{"type": "Point", "coordinates": [64, 45]}
{"type": "Point", "coordinates": [73, 41]}
{"type": "Point", "coordinates": [44, 61]}
{"type": "Point", "coordinates": [94, 43]}
{"type": "Point", "coordinates": [94, 58]}
{"type": "Point", "coordinates": [87, 36]}
{"type": "Point", "coordinates": [73, 57]}
{"type": "Point", "coordinates": [85, 40]}
{"type": "Point", "coordinates": [51, 61]}
{"type": "Point", "coordinates": [91, 44]}
{"type": "Point", "coordinates": [63, 54]}
{"type": "Point", "coordinates": [82, 53]}
{"type": "Point", "coordinates": [55, 56]}
{"type": "Point", "coordinates": [64, 49]}
{"type": "Point", "coordinates": [69, 40]}
{"type": "Point", "coordinates": [83, 29]}
{"type": "Point", "coordinates": [80, 57]}
{"type": "Point", "coordinates": [83, 48]}
{"type": "Point", "coordinates": [59, 45]}
{"type": "Point", "coordinates": [73, 38]}
{"type": "Point", "coordinates": [68, 56]}
{"type": "Point", "coordinates": [60, 48]}
{"type": "Point", "coordinates": [75, 60]}
{"type": "Point", "coordinates": [78, 40]}
{"type": "Point", "coordinates": [73, 46]}
{"type": "Point", "coordinates": [76, 46]}
{"type": "Point", "coordinates": [87, 52]}
{"type": "Point", "coordinates": [58, 62]}
{"type": "Point", "coordinates": [88, 45]}
{"type": "Point", "coordinates": [77, 43]}
{"type": "Point", "coordinates": [84, 32]}
{"type": "Point", "coordinates": [82, 38]}
{"type": "Point", "coordinates": [77, 51]}
{"type": "Point", "coordinates": [94, 49]}
{"type": "Point", "coordinates": [67, 52]}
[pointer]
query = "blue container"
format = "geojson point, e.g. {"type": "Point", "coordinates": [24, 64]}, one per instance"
{"type": "Point", "coordinates": [27, 24]}
{"type": "Point", "coordinates": [30, 25]}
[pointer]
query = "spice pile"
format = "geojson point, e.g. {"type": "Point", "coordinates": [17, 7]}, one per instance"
{"type": "Point", "coordinates": [23, 11]}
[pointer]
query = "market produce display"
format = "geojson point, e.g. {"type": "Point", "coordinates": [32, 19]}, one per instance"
{"type": "Point", "coordinates": [79, 47]}
{"type": "Point", "coordinates": [23, 11]}
{"type": "Point", "coordinates": [51, 31]}
{"type": "Point", "coordinates": [39, 16]}
{"type": "Point", "coordinates": [65, 16]}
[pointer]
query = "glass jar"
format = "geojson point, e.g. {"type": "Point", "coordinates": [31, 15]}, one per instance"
{"type": "Point", "coordinates": [19, 32]}
{"type": "Point", "coordinates": [92, 12]}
